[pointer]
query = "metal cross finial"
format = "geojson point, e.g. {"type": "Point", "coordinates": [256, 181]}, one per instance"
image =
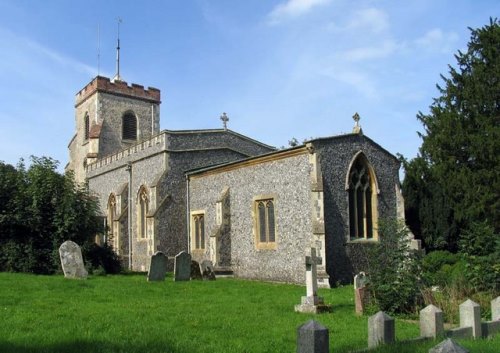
{"type": "Point", "coordinates": [356, 118]}
{"type": "Point", "coordinates": [224, 119]}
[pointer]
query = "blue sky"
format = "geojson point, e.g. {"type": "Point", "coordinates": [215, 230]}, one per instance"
{"type": "Point", "coordinates": [280, 68]}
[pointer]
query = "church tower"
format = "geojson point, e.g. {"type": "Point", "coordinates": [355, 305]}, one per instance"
{"type": "Point", "coordinates": [111, 116]}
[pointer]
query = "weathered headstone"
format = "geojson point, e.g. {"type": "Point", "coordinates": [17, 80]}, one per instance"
{"type": "Point", "coordinates": [312, 337]}
{"type": "Point", "coordinates": [182, 267]}
{"type": "Point", "coordinates": [495, 309]}
{"type": "Point", "coordinates": [431, 322]}
{"type": "Point", "coordinates": [207, 270]}
{"type": "Point", "coordinates": [470, 316]}
{"type": "Point", "coordinates": [448, 346]}
{"type": "Point", "coordinates": [72, 260]}
{"type": "Point", "coordinates": [361, 293]}
{"type": "Point", "coordinates": [312, 303]}
{"type": "Point", "coordinates": [195, 270]}
{"type": "Point", "coordinates": [157, 267]}
{"type": "Point", "coordinates": [381, 329]}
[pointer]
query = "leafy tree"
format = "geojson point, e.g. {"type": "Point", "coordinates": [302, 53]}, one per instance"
{"type": "Point", "coordinates": [455, 180]}
{"type": "Point", "coordinates": [39, 210]}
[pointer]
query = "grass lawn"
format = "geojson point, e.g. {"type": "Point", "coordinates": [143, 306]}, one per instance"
{"type": "Point", "coordinates": [127, 314]}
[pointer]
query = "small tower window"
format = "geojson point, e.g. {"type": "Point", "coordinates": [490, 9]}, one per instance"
{"type": "Point", "coordinates": [129, 126]}
{"type": "Point", "coordinates": [86, 127]}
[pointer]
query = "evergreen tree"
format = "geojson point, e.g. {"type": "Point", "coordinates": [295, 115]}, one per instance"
{"type": "Point", "coordinates": [456, 177]}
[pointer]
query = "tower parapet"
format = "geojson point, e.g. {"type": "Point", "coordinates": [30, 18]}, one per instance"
{"type": "Point", "coordinates": [120, 88]}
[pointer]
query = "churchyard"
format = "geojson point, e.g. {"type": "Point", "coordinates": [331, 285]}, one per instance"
{"type": "Point", "coordinates": [126, 313]}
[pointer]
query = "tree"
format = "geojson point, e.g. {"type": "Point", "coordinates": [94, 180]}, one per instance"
{"type": "Point", "coordinates": [456, 177]}
{"type": "Point", "coordinates": [39, 210]}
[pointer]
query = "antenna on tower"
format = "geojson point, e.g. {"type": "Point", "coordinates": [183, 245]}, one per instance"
{"type": "Point", "coordinates": [117, 76]}
{"type": "Point", "coordinates": [98, 51]}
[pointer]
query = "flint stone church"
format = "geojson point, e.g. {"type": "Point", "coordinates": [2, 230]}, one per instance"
{"type": "Point", "coordinates": [251, 209]}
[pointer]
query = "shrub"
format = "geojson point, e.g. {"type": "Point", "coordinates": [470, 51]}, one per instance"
{"type": "Point", "coordinates": [394, 270]}
{"type": "Point", "coordinates": [440, 267]}
{"type": "Point", "coordinates": [101, 259]}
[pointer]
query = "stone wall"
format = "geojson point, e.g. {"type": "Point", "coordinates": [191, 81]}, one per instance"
{"type": "Point", "coordinates": [285, 179]}
{"type": "Point", "coordinates": [345, 257]}
{"type": "Point", "coordinates": [159, 163]}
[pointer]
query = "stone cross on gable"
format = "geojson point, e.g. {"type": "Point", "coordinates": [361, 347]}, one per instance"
{"type": "Point", "coordinates": [311, 273]}
{"type": "Point", "coordinates": [224, 119]}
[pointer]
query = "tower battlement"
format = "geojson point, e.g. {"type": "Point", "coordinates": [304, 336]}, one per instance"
{"type": "Point", "coordinates": [121, 88]}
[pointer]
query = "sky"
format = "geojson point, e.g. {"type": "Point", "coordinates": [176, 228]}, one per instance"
{"type": "Point", "coordinates": [280, 69]}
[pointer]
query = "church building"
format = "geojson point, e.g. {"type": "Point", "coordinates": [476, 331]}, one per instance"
{"type": "Point", "coordinates": [253, 210]}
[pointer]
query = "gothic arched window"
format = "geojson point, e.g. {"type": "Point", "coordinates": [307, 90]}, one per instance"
{"type": "Point", "coordinates": [362, 200]}
{"type": "Point", "coordinates": [198, 230]}
{"type": "Point", "coordinates": [142, 210]}
{"type": "Point", "coordinates": [86, 126]}
{"type": "Point", "coordinates": [129, 126]}
{"type": "Point", "coordinates": [265, 223]}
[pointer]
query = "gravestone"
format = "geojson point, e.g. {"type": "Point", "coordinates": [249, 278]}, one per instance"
{"type": "Point", "coordinates": [495, 309]}
{"type": "Point", "coordinates": [448, 346]}
{"type": "Point", "coordinates": [195, 271]}
{"type": "Point", "coordinates": [182, 266]}
{"type": "Point", "coordinates": [312, 337]}
{"type": "Point", "coordinates": [470, 316]}
{"type": "Point", "coordinates": [361, 293]}
{"type": "Point", "coordinates": [207, 270]}
{"type": "Point", "coordinates": [157, 267]}
{"type": "Point", "coordinates": [381, 329]}
{"type": "Point", "coordinates": [72, 260]}
{"type": "Point", "coordinates": [431, 322]}
{"type": "Point", "coordinates": [312, 303]}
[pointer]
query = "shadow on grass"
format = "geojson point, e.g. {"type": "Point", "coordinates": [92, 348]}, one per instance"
{"type": "Point", "coordinates": [90, 347]}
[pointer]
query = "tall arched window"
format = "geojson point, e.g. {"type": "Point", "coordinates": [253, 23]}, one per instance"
{"type": "Point", "coordinates": [86, 126]}
{"type": "Point", "coordinates": [129, 126]}
{"type": "Point", "coordinates": [362, 200]}
{"type": "Point", "coordinates": [142, 211]}
{"type": "Point", "coordinates": [112, 238]}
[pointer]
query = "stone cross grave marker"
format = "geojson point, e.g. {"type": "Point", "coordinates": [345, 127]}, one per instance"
{"type": "Point", "coordinates": [157, 267]}
{"type": "Point", "coordinates": [311, 303]}
{"type": "Point", "coordinates": [72, 260]}
{"type": "Point", "coordinates": [361, 295]}
{"type": "Point", "coordinates": [182, 267]}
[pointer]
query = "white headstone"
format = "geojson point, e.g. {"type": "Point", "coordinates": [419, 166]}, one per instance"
{"type": "Point", "coordinates": [381, 329]}
{"type": "Point", "coordinates": [72, 260]}
{"type": "Point", "coordinates": [470, 316]}
{"type": "Point", "coordinates": [431, 322]}
{"type": "Point", "coordinates": [495, 309]}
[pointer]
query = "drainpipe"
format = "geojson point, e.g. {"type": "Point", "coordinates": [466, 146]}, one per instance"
{"type": "Point", "coordinates": [129, 221]}
{"type": "Point", "coordinates": [188, 218]}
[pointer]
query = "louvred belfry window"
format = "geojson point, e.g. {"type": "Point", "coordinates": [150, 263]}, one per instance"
{"type": "Point", "coordinates": [129, 126]}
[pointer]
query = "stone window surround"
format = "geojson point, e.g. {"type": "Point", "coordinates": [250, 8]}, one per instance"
{"type": "Point", "coordinates": [374, 199]}
{"type": "Point", "coordinates": [203, 239]}
{"type": "Point", "coordinates": [255, 216]}
{"type": "Point", "coordinates": [142, 212]}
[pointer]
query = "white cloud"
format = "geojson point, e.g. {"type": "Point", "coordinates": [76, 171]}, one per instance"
{"type": "Point", "coordinates": [371, 19]}
{"type": "Point", "coordinates": [386, 48]}
{"type": "Point", "coordinates": [292, 9]}
{"type": "Point", "coordinates": [438, 41]}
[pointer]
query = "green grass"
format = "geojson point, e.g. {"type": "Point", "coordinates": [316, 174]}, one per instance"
{"type": "Point", "coordinates": [128, 314]}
